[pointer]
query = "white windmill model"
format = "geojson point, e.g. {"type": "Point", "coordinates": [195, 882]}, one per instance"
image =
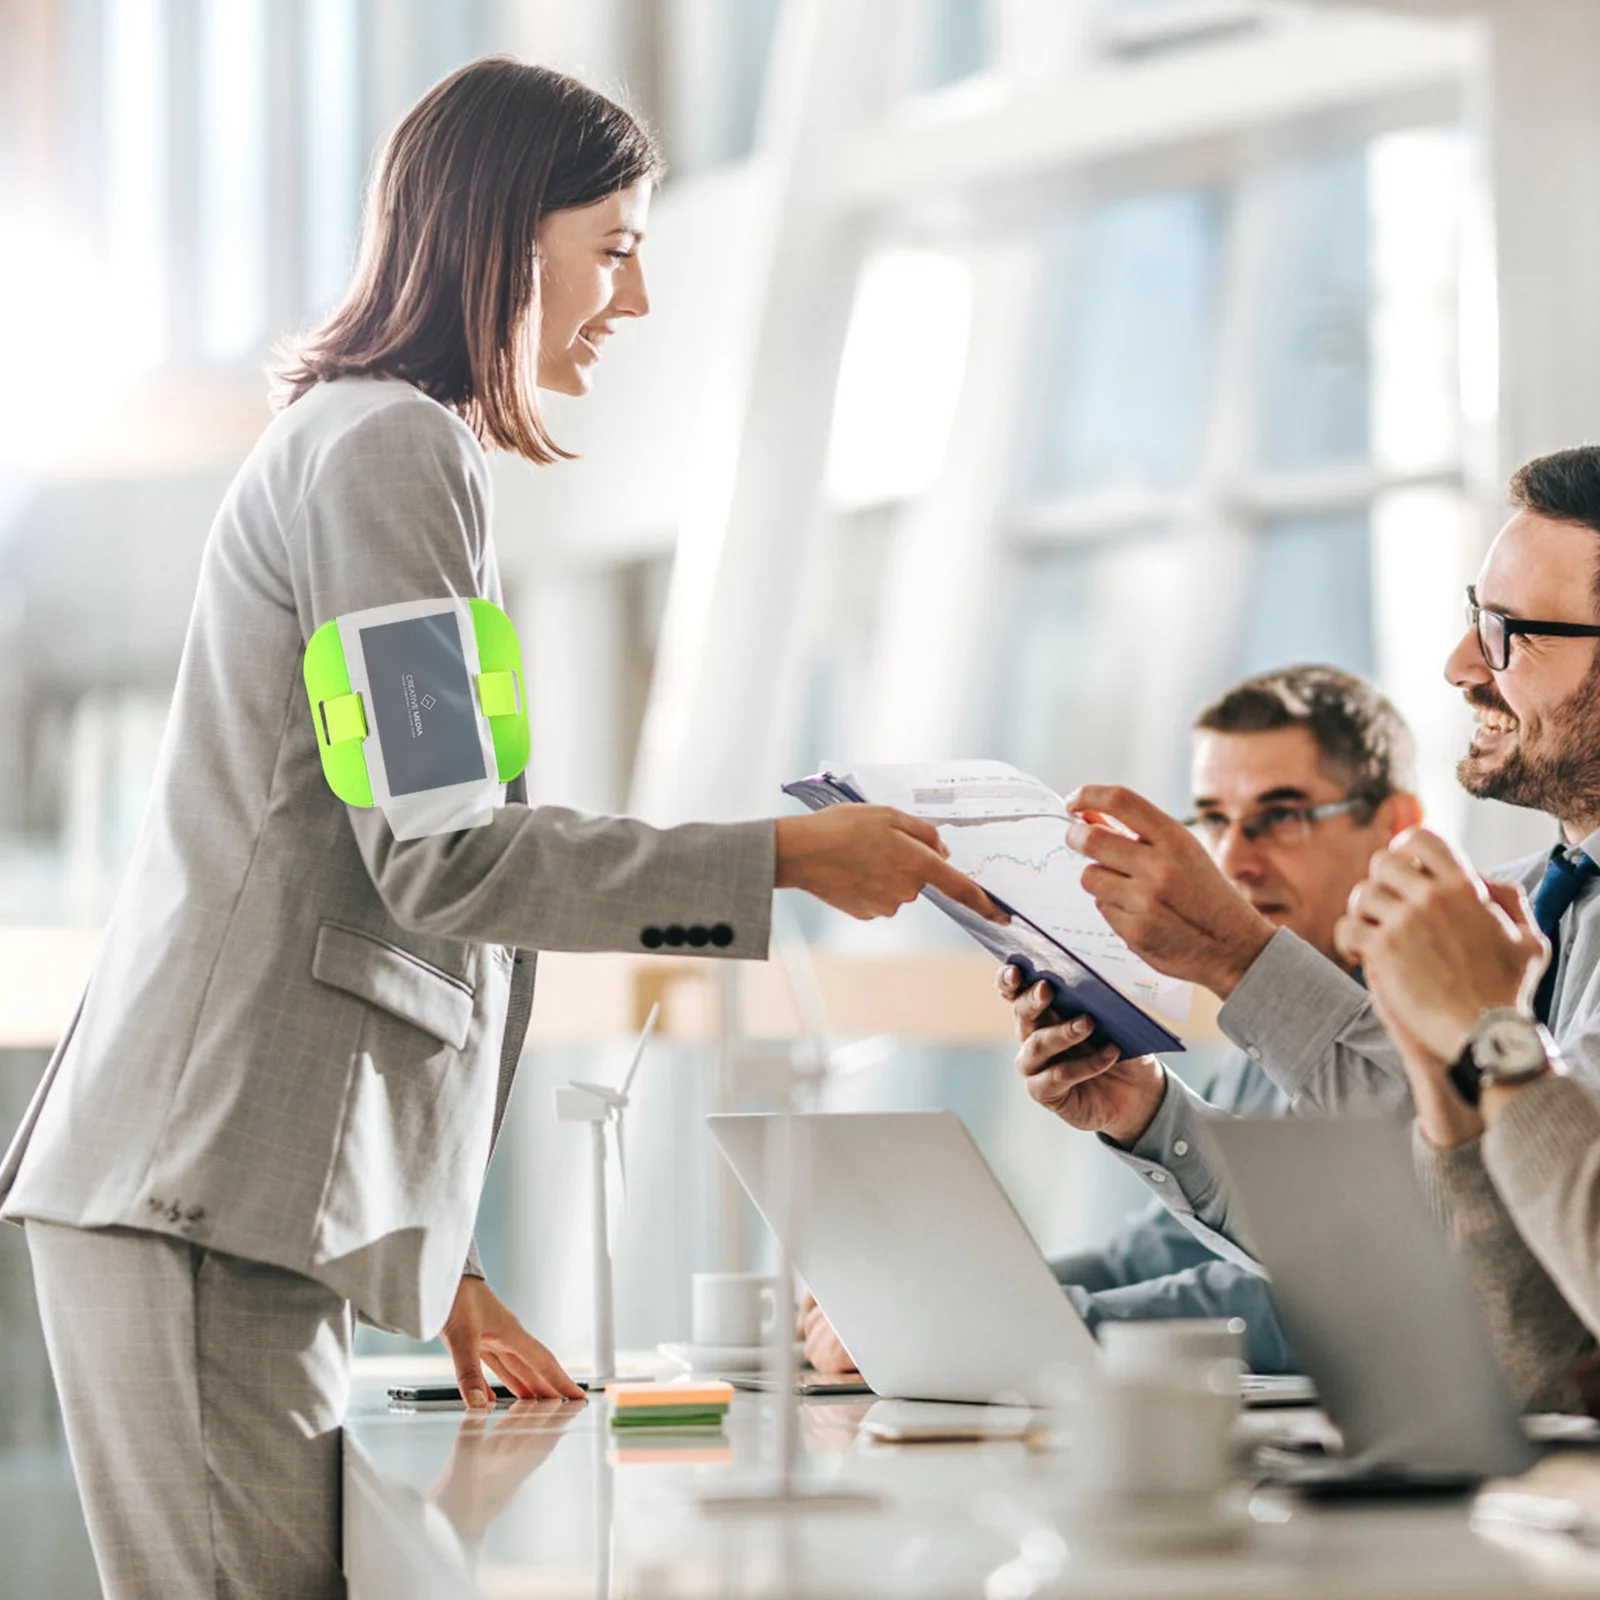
{"type": "Point", "coordinates": [812, 1061]}
{"type": "Point", "coordinates": [601, 1107]}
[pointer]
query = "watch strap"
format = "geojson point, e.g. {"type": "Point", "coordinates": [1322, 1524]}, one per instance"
{"type": "Point", "coordinates": [1466, 1076]}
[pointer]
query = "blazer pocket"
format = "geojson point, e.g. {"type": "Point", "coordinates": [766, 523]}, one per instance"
{"type": "Point", "coordinates": [395, 981]}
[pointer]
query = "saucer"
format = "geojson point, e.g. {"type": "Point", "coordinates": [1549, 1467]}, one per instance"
{"type": "Point", "coordinates": [716, 1358]}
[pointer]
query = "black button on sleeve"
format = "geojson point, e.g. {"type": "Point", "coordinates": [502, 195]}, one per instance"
{"type": "Point", "coordinates": [651, 938]}
{"type": "Point", "coordinates": [699, 935]}
{"type": "Point", "coordinates": [722, 935]}
{"type": "Point", "coordinates": [675, 934]}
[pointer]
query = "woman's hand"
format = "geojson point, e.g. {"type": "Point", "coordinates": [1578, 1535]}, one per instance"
{"type": "Point", "coordinates": [480, 1325]}
{"type": "Point", "coordinates": [871, 860]}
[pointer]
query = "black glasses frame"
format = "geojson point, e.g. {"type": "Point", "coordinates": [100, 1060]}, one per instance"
{"type": "Point", "coordinates": [1495, 630]}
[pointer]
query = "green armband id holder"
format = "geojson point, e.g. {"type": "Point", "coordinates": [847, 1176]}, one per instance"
{"type": "Point", "coordinates": [419, 709]}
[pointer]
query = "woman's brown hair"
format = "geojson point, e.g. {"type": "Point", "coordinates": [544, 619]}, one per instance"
{"type": "Point", "coordinates": [448, 278]}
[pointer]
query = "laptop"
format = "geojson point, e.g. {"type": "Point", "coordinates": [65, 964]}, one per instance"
{"type": "Point", "coordinates": [927, 1273]}
{"type": "Point", "coordinates": [1370, 1296]}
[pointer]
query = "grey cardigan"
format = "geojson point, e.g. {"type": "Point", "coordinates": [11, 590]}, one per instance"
{"type": "Point", "coordinates": [299, 1033]}
{"type": "Point", "coordinates": [1522, 1206]}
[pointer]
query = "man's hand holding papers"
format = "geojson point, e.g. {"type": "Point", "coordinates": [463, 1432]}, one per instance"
{"type": "Point", "coordinates": [1087, 1083]}
{"type": "Point", "coordinates": [1157, 887]}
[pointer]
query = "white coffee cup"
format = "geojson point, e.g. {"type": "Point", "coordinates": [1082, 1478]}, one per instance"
{"type": "Point", "coordinates": [732, 1308]}
{"type": "Point", "coordinates": [1160, 1345]}
{"type": "Point", "coordinates": [1152, 1455]}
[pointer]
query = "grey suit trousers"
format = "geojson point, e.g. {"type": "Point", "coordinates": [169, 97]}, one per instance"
{"type": "Point", "coordinates": [203, 1397]}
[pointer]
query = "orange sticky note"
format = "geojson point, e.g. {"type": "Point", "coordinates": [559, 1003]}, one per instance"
{"type": "Point", "coordinates": [670, 1394]}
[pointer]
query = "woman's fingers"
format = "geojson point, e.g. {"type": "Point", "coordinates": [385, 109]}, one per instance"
{"type": "Point", "coordinates": [920, 829]}
{"type": "Point", "coordinates": [530, 1364]}
{"type": "Point", "coordinates": [940, 875]}
{"type": "Point", "coordinates": [466, 1355]}
{"type": "Point", "coordinates": [514, 1375]}
{"type": "Point", "coordinates": [543, 1373]}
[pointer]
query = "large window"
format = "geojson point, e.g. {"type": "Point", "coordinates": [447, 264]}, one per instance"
{"type": "Point", "coordinates": [1234, 379]}
{"type": "Point", "coordinates": [1134, 288]}
{"type": "Point", "coordinates": [1316, 376]}
{"type": "Point", "coordinates": [955, 42]}
{"type": "Point", "coordinates": [1310, 594]}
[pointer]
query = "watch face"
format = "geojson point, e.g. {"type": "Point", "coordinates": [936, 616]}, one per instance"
{"type": "Point", "coordinates": [1509, 1047]}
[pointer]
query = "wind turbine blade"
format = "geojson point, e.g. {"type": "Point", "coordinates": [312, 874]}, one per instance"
{"type": "Point", "coordinates": [598, 1090]}
{"type": "Point", "coordinates": [638, 1049]}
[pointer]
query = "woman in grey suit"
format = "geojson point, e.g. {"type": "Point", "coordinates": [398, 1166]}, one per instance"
{"type": "Point", "coordinates": [279, 1095]}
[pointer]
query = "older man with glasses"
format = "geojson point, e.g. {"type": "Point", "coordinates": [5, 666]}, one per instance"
{"type": "Point", "coordinates": [1529, 669]}
{"type": "Point", "coordinates": [1299, 776]}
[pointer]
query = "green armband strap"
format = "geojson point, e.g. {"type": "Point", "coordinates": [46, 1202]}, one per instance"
{"type": "Point", "coordinates": [343, 719]}
{"type": "Point", "coordinates": [500, 681]}
{"type": "Point", "coordinates": [419, 709]}
{"type": "Point", "coordinates": [497, 694]}
{"type": "Point", "coordinates": [328, 684]}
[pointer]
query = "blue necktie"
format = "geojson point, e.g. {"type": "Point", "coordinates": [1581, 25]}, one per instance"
{"type": "Point", "coordinates": [1563, 881]}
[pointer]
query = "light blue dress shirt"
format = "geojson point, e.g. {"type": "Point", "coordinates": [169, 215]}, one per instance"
{"type": "Point", "coordinates": [1157, 1266]}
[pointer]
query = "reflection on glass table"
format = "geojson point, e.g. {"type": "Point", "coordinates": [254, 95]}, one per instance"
{"type": "Point", "coordinates": [491, 1457]}
{"type": "Point", "coordinates": [534, 1509]}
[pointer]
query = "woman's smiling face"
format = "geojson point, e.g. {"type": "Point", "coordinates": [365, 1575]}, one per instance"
{"type": "Point", "coordinates": [589, 276]}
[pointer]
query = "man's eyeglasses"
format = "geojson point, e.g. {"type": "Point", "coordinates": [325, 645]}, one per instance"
{"type": "Point", "coordinates": [1495, 630]}
{"type": "Point", "coordinates": [1282, 824]}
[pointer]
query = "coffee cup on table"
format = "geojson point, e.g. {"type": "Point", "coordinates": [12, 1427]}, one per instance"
{"type": "Point", "coordinates": [1158, 1345]}
{"type": "Point", "coordinates": [732, 1309]}
{"type": "Point", "coordinates": [1153, 1463]}
{"type": "Point", "coordinates": [1152, 1445]}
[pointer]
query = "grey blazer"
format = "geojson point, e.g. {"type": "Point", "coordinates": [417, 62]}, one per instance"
{"type": "Point", "coordinates": [299, 1034]}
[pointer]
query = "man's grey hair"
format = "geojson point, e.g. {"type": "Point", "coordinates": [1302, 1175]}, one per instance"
{"type": "Point", "coordinates": [1361, 739]}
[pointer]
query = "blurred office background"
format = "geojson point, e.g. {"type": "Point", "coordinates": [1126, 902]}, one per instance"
{"type": "Point", "coordinates": [1020, 373]}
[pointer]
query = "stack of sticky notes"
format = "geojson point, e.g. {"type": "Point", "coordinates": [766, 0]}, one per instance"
{"type": "Point", "coordinates": [681, 1407]}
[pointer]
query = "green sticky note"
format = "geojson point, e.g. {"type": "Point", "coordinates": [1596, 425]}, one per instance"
{"type": "Point", "coordinates": [666, 1417]}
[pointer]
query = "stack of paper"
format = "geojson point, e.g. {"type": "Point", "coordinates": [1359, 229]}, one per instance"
{"type": "Point", "coordinates": [693, 1407]}
{"type": "Point", "coordinates": [1008, 832]}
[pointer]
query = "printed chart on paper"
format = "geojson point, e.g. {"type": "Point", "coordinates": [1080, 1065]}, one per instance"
{"type": "Point", "coordinates": [1007, 831]}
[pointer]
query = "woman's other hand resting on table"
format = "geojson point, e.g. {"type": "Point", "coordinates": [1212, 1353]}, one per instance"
{"type": "Point", "coordinates": [482, 1327]}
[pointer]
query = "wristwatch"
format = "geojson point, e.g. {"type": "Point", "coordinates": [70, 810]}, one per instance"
{"type": "Point", "coordinates": [1503, 1046]}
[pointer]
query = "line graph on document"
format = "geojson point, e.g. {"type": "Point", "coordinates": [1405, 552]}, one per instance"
{"type": "Point", "coordinates": [1025, 862]}
{"type": "Point", "coordinates": [1039, 866]}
